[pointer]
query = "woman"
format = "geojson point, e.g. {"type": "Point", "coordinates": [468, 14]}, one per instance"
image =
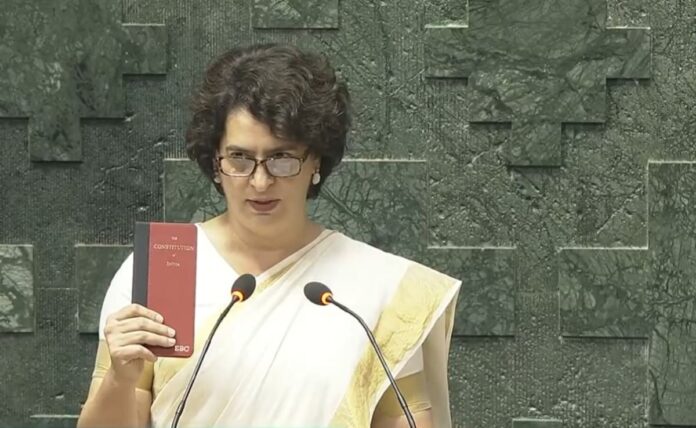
{"type": "Point", "coordinates": [269, 125]}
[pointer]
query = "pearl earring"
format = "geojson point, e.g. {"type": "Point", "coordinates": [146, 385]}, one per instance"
{"type": "Point", "coordinates": [316, 178]}
{"type": "Point", "coordinates": [216, 179]}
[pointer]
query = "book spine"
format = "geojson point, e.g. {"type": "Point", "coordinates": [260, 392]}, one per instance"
{"type": "Point", "coordinates": [141, 255]}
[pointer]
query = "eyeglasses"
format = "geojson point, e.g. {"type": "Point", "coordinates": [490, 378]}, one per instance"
{"type": "Point", "coordinates": [283, 165]}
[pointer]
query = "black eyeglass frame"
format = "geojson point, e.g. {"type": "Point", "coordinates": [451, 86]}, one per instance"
{"type": "Point", "coordinates": [258, 162]}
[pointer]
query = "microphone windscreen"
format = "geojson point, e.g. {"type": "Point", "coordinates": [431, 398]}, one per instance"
{"type": "Point", "coordinates": [317, 293]}
{"type": "Point", "coordinates": [244, 286]}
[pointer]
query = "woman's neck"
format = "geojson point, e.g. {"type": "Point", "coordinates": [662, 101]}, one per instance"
{"type": "Point", "coordinates": [254, 242]}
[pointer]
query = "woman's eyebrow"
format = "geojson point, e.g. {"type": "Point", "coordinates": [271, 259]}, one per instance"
{"type": "Point", "coordinates": [284, 148]}
{"type": "Point", "coordinates": [233, 148]}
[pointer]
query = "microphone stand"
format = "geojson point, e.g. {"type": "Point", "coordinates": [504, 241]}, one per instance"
{"type": "Point", "coordinates": [399, 396]}
{"type": "Point", "coordinates": [180, 407]}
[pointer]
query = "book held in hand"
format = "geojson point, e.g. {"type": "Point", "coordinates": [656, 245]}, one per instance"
{"type": "Point", "coordinates": [164, 279]}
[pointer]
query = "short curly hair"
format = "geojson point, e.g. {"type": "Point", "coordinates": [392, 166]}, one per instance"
{"type": "Point", "coordinates": [295, 93]}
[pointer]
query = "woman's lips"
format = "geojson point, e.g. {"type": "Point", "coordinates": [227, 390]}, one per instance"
{"type": "Point", "coordinates": [263, 206]}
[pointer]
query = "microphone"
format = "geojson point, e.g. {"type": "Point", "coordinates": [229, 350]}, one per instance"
{"type": "Point", "coordinates": [242, 289]}
{"type": "Point", "coordinates": [321, 295]}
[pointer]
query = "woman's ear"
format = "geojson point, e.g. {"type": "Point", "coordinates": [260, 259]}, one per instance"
{"type": "Point", "coordinates": [316, 162]}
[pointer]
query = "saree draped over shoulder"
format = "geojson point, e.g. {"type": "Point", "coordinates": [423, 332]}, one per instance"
{"type": "Point", "coordinates": [278, 360]}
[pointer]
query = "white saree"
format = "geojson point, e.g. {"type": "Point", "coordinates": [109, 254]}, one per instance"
{"type": "Point", "coordinates": [278, 360]}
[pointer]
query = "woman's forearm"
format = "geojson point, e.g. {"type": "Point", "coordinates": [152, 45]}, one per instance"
{"type": "Point", "coordinates": [423, 419]}
{"type": "Point", "coordinates": [114, 404]}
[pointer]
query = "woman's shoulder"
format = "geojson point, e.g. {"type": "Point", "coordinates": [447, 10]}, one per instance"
{"type": "Point", "coordinates": [371, 253]}
{"type": "Point", "coordinates": [360, 256]}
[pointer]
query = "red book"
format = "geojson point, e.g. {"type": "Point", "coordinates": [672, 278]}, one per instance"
{"type": "Point", "coordinates": [164, 279]}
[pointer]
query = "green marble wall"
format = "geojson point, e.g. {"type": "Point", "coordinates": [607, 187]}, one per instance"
{"type": "Point", "coordinates": [542, 151]}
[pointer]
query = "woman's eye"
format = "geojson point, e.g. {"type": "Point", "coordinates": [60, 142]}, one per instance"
{"type": "Point", "coordinates": [282, 155]}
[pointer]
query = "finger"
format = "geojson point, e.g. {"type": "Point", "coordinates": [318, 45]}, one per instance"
{"type": "Point", "coordinates": [143, 338]}
{"type": "Point", "coordinates": [133, 352]}
{"type": "Point", "coordinates": [135, 310]}
{"type": "Point", "coordinates": [145, 324]}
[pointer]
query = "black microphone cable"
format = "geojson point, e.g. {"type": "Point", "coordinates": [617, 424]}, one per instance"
{"type": "Point", "coordinates": [242, 289]}
{"type": "Point", "coordinates": [320, 294]}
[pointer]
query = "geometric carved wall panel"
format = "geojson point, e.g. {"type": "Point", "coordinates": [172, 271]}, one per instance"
{"type": "Point", "coordinates": [53, 421]}
{"type": "Point", "coordinates": [16, 288]}
{"type": "Point", "coordinates": [296, 14]}
{"type": "Point", "coordinates": [55, 75]}
{"type": "Point", "coordinates": [536, 423]}
{"type": "Point", "coordinates": [537, 64]}
{"type": "Point", "coordinates": [379, 202]}
{"type": "Point", "coordinates": [648, 292]}
{"type": "Point", "coordinates": [486, 302]}
{"type": "Point", "coordinates": [602, 292]}
{"type": "Point", "coordinates": [95, 265]}
{"type": "Point", "coordinates": [188, 194]}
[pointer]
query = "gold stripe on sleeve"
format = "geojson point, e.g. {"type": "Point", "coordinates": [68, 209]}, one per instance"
{"type": "Point", "coordinates": [400, 328]}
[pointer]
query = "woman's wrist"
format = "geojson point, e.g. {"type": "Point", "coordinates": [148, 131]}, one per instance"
{"type": "Point", "coordinates": [115, 381]}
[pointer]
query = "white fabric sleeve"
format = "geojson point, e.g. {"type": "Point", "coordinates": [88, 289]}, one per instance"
{"type": "Point", "coordinates": [435, 358]}
{"type": "Point", "coordinates": [414, 365]}
{"type": "Point", "coordinates": [119, 293]}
